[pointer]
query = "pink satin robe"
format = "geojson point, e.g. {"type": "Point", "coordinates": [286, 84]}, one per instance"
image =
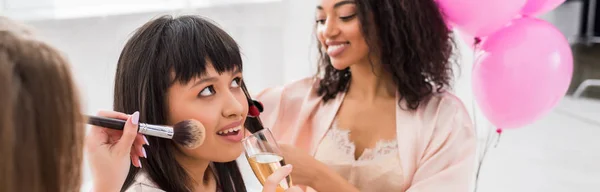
{"type": "Point", "coordinates": [437, 142]}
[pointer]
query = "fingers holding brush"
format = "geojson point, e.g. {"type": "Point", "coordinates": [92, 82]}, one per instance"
{"type": "Point", "coordinates": [105, 135]}
{"type": "Point", "coordinates": [100, 135]}
{"type": "Point", "coordinates": [137, 151]}
{"type": "Point", "coordinates": [129, 133]}
{"type": "Point", "coordinates": [140, 140]}
{"type": "Point", "coordinates": [135, 160]}
{"type": "Point", "coordinates": [138, 147]}
{"type": "Point", "coordinates": [111, 152]}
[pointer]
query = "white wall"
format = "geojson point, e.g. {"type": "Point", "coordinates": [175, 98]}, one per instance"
{"type": "Point", "coordinates": [93, 45]}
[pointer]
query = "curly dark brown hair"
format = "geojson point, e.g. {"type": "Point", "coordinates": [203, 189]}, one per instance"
{"type": "Point", "coordinates": [414, 45]}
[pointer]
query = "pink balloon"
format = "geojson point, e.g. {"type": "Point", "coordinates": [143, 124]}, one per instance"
{"type": "Point", "coordinates": [480, 18]}
{"type": "Point", "coordinates": [522, 72]}
{"type": "Point", "coordinates": [538, 7]}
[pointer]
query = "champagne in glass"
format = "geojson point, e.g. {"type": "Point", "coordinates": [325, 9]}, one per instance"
{"type": "Point", "coordinates": [265, 157]}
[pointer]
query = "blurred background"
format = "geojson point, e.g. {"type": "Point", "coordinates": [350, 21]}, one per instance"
{"type": "Point", "coordinates": [560, 152]}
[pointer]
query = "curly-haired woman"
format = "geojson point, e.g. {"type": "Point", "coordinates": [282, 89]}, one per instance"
{"type": "Point", "coordinates": [377, 116]}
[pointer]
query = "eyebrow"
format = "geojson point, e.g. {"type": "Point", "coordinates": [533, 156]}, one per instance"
{"type": "Point", "coordinates": [213, 79]}
{"type": "Point", "coordinates": [338, 4]}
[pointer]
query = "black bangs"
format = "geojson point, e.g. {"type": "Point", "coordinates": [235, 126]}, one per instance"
{"type": "Point", "coordinates": [192, 43]}
{"type": "Point", "coordinates": [162, 51]}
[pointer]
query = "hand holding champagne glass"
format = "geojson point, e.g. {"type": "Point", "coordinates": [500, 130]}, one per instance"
{"type": "Point", "coordinates": [272, 182]}
{"type": "Point", "coordinates": [265, 158]}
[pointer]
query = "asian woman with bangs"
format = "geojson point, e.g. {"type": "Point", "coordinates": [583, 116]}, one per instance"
{"type": "Point", "coordinates": [174, 69]}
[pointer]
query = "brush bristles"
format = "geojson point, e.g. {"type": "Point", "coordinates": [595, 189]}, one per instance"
{"type": "Point", "coordinates": [189, 133]}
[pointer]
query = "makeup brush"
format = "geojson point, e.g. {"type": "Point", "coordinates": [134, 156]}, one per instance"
{"type": "Point", "coordinates": [189, 133]}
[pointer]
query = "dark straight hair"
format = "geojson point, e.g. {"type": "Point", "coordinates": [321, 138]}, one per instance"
{"type": "Point", "coordinates": [161, 49]}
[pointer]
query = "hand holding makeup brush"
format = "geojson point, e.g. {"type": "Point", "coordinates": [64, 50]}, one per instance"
{"type": "Point", "coordinates": [111, 152]}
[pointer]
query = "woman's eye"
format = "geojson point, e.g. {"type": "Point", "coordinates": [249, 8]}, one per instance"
{"type": "Point", "coordinates": [208, 91]}
{"type": "Point", "coordinates": [346, 18]}
{"type": "Point", "coordinates": [320, 21]}
{"type": "Point", "coordinates": [236, 82]}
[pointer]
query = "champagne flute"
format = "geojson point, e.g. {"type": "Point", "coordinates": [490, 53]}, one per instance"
{"type": "Point", "coordinates": [264, 157]}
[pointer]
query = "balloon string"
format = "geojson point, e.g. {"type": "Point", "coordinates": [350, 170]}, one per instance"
{"type": "Point", "coordinates": [486, 148]}
{"type": "Point", "coordinates": [499, 131]}
{"type": "Point", "coordinates": [476, 43]}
